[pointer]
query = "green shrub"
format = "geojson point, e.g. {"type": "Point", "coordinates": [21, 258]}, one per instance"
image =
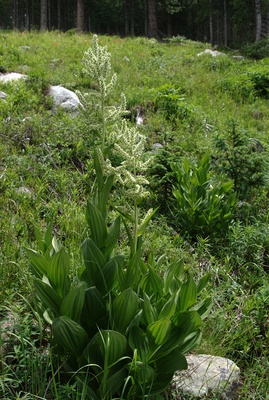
{"type": "Point", "coordinates": [172, 103]}
{"type": "Point", "coordinates": [257, 50]}
{"type": "Point", "coordinates": [203, 206]}
{"type": "Point", "coordinates": [242, 159]}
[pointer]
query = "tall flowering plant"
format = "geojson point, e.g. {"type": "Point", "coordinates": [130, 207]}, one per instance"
{"type": "Point", "coordinates": [122, 329]}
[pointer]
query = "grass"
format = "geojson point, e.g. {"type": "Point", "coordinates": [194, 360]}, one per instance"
{"type": "Point", "coordinates": [46, 175]}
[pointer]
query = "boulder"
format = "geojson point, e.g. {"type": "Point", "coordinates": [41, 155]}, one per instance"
{"type": "Point", "coordinates": [3, 95]}
{"type": "Point", "coordinates": [213, 53]}
{"type": "Point", "coordinates": [206, 374]}
{"type": "Point", "coordinates": [11, 76]}
{"type": "Point", "coordinates": [64, 98]}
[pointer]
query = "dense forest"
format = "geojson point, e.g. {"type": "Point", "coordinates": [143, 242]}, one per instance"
{"type": "Point", "coordinates": [229, 23]}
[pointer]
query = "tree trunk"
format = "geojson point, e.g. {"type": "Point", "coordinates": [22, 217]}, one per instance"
{"type": "Point", "coordinates": [132, 21]}
{"type": "Point", "coordinates": [80, 15]}
{"type": "Point", "coordinates": [126, 18]}
{"type": "Point", "coordinates": [211, 34]}
{"type": "Point", "coordinates": [44, 15]}
{"type": "Point", "coordinates": [59, 15]}
{"type": "Point", "coordinates": [15, 14]}
{"type": "Point", "coordinates": [258, 14]}
{"type": "Point", "coordinates": [152, 19]}
{"type": "Point", "coordinates": [169, 26]}
{"type": "Point", "coordinates": [225, 23]}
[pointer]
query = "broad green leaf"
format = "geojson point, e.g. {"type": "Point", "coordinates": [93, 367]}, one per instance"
{"type": "Point", "coordinates": [48, 296]}
{"type": "Point", "coordinates": [169, 307]}
{"type": "Point", "coordinates": [203, 308]}
{"type": "Point", "coordinates": [98, 170]}
{"type": "Point", "coordinates": [107, 345]}
{"type": "Point", "coordinates": [57, 272]}
{"type": "Point", "coordinates": [97, 225]}
{"type": "Point", "coordinates": [191, 341]}
{"type": "Point", "coordinates": [202, 283]}
{"type": "Point", "coordinates": [125, 307]}
{"type": "Point", "coordinates": [188, 294]}
{"type": "Point", "coordinates": [72, 304]}
{"type": "Point", "coordinates": [133, 275]}
{"type": "Point", "coordinates": [172, 362]}
{"type": "Point", "coordinates": [94, 261]}
{"type": "Point", "coordinates": [143, 373]}
{"type": "Point", "coordinates": [143, 226]}
{"type": "Point", "coordinates": [187, 321]}
{"type": "Point", "coordinates": [158, 332]}
{"type": "Point", "coordinates": [149, 313]}
{"type": "Point", "coordinates": [105, 279]}
{"type": "Point", "coordinates": [115, 382]}
{"type": "Point", "coordinates": [174, 270]}
{"type": "Point", "coordinates": [105, 193]}
{"type": "Point", "coordinates": [69, 335]}
{"type": "Point", "coordinates": [94, 310]}
{"type": "Point", "coordinates": [138, 340]}
{"type": "Point", "coordinates": [112, 236]}
{"type": "Point", "coordinates": [38, 263]}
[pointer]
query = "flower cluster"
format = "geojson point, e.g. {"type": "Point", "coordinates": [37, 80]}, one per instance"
{"type": "Point", "coordinates": [98, 67]}
{"type": "Point", "coordinates": [129, 144]}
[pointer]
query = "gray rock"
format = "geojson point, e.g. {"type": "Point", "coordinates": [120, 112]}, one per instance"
{"type": "Point", "coordinates": [65, 98]}
{"type": "Point", "coordinates": [156, 146]}
{"type": "Point", "coordinates": [11, 77]}
{"type": "Point", "coordinates": [3, 95]}
{"type": "Point", "coordinates": [25, 48]}
{"type": "Point", "coordinates": [213, 53]}
{"type": "Point", "coordinates": [206, 374]}
{"type": "Point", "coordinates": [239, 58]}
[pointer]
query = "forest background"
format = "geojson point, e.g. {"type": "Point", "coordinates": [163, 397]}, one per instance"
{"type": "Point", "coordinates": [221, 22]}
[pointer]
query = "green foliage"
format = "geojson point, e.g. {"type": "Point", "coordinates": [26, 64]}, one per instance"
{"type": "Point", "coordinates": [171, 102]}
{"type": "Point", "coordinates": [257, 50]}
{"type": "Point", "coordinates": [203, 206]}
{"type": "Point", "coordinates": [121, 320]}
{"type": "Point", "coordinates": [162, 176]}
{"type": "Point", "coordinates": [242, 159]}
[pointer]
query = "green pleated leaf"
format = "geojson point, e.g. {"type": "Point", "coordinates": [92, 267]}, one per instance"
{"type": "Point", "coordinates": [149, 313]}
{"type": "Point", "coordinates": [188, 294]}
{"type": "Point", "coordinates": [141, 229]}
{"type": "Point", "coordinates": [138, 340]}
{"type": "Point", "coordinates": [97, 225]}
{"type": "Point", "coordinates": [94, 261]}
{"type": "Point", "coordinates": [94, 310]}
{"type": "Point", "coordinates": [202, 283]}
{"type": "Point", "coordinates": [48, 296]}
{"type": "Point", "coordinates": [98, 170]}
{"type": "Point", "coordinates": [190, 342]}
{"type": "Point", "coordinates": [169, 307]}
{"type": "Point", "coordinates": [112, 236]}
{"type": "Point", "coordinates": [158, 332]}
{"type": "Point", "coordinates": [108, 346]}
{"type": "Point", "coordinates": [38, 262]}
{"type": "Point", "coordinates": [172, 362]}
{"type": "Point", "coordinates": [174, 270]}
{"type": "Point", "coordinates": [57, 272]}
{"type": "Point", "coordinates": [187, 321]}
{"type": "Point", "coordinates": [116, 381]}
{"type": "Point", "coordinates": [105, 194]}
{"type": "Point", "coordinates": [133, 275]}
{"type": "Point", "coordinates": [203, 308]}
{"type": "Point", "coordinates": [69, 335]}
{"type": "Point", "coordinates": [125, 307]}
{"type": "Point", "coordinates": [105, 278]}
{"type": "Point", "coordinates": [72, 304]}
